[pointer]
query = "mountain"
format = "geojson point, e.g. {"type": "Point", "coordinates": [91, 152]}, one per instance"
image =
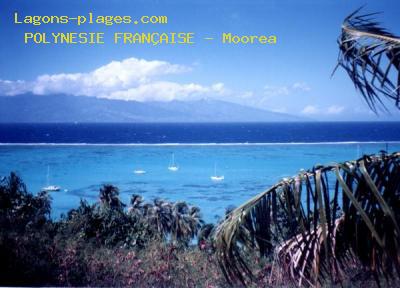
{"type": "Point", "coordinates": [64, 108]}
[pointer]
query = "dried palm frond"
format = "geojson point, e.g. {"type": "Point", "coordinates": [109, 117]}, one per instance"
{"type": "Point", "coordinates": [368, 53]}
{"type": "Point", "coordinates": [319, 221]}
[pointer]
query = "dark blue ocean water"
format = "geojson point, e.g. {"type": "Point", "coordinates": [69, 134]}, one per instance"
{"type": "Point", "coordinates": [201, 133]}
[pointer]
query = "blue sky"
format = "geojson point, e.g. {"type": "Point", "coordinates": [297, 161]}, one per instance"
{"type": "Point", "coordinates": [293, 76]}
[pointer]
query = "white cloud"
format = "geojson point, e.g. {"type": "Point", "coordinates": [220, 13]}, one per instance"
{"type": "Point", "coordinates": [219, 88]}
{"type": "Point", "coordinates": [275, 90]}
{"type": "Point", "coordinates": [301, 86]}
{"type": "Point", "coordinates": [335, 109]}
{"type": "Point", "coordinates": [10, 88]}
{"type": "Point", "coordinates": [164, 91]}
{"type": "Point", "coordinates": [310, 110]}
{"type": "Point", "coordinates": [286, 90]}
{"type": "Point", "coordinates": [330, 110]}
{"type": "Point", "coordinates": [129, 79]}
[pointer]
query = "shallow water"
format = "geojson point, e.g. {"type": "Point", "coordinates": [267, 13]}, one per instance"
{"type": "Point", "coordinates": [248, 169]}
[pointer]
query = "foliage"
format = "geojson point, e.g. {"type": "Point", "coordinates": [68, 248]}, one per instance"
{"type": "Point", "coordinates": [25, 230]}
{"type": "Point", "coordinates": [18, 208]}
{"type": "Point", "coordinates": [368, 53]}
{"type": "Point", "coordinates": [319, 223]}
{"type": "Point", "coordinates": [100, 244]}
{"type": "Point", "coordinates": [176, 221]}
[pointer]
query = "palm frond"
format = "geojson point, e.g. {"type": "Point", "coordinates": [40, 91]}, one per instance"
{"type": "Point", "coordinates": [318, 221]}
{"type": "Point", "coordinates": [368, 53]}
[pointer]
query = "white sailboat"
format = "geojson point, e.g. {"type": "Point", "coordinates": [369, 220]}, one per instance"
{"type": "Point", "coordinates": [48, 187]}
{"type": "Point", "coordinates": [215, 177]}
{"type": "Point", "coordinates": [172, 166]}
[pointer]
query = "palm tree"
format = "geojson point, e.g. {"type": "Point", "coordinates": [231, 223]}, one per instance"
{"type": "Point", "coordinates": [186, 222]}
{"type": "Point", "coordinates": [321, 222]}
{"type": "Point", "coordinates": [159, 216]}
{"type": "Point", "coordinates": [109, 197]}
{"type": "Point", "coordinates": [178, 221]}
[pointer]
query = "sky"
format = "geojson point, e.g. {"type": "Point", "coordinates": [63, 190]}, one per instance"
{"type": "Point", "coordinates": [293, 76]}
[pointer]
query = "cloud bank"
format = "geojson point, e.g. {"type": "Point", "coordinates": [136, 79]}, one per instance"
{"type": "Point", "coordinates": [129, 79]}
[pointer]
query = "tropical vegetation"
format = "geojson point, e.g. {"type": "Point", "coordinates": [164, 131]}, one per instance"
{"type": "Point", "coordinates": [100, 244]}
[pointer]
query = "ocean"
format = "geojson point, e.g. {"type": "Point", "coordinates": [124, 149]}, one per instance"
{"type": "Point", "coordinates": [251, 157]}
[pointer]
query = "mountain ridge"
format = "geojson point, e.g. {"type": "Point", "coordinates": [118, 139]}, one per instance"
{"type": "Point", "coordinates": [29, 108]}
